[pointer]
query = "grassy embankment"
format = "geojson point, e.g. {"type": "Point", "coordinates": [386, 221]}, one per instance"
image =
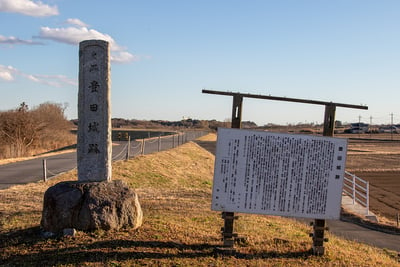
{"type": "Point", "coordinates": [179, 229]}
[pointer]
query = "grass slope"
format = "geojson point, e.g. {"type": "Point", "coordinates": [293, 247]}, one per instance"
{"type": "Point", "coordinates": [179, 229]}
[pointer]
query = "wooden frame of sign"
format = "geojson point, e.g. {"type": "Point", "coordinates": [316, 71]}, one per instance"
{"type": "Point", "coordinates": [319, 224]}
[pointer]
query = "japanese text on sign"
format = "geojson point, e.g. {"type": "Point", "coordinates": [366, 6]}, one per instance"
{"type": "Point", "coordinates": [278, 174]}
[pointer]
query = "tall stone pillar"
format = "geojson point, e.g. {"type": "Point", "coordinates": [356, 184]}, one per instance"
{"type": "Point", "coordinates": [94, 110]}
{"type": "Point", "coordinates": [94, 201]}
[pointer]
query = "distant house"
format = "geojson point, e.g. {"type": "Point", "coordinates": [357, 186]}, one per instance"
{"type": "Point", "coordinates": [389, 129]}
{"type": "Point", "coordinates": [358, 127]}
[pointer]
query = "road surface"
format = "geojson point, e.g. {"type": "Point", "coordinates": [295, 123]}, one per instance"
{"type": "Point", "coordinates": [29, 171]}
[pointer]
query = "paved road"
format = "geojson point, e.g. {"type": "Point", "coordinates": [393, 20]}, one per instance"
{"type": "Point", "coordinates": [361, 234]}
{"type": "Point", "coordinates": [32, 170]}
{"type": "Point", "coordinates": [345, 229]}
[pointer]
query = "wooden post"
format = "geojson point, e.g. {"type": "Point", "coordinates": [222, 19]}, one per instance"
{"type": "Point", "coordinates": [143, 142]}
{"type": "Point", "coordinates": [318, 237]}
{"type": "Point", "coordinates": [228, 235]}
{"type": "Point", "coordinates": [227, 231]}
{"type": "Point", "coordinates": [319, 226]}
{"type": "Point", "coordinates": [329, 120]}
{"type": "Point", "coordinates": [159, 143]}
{"type": "Point", "coordinates": [237, 111]}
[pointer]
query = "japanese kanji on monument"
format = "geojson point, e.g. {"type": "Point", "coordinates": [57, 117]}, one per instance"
{"type": "Point", "coordinates": [94, 128]}
{"type": "Point", "coordinates": [94, 201]}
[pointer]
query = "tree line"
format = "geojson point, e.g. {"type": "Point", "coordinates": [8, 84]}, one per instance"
{"type": "Point", "coordinates": [25, 131]}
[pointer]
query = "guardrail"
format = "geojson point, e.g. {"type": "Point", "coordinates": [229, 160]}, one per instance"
{"type": "Point", "coordinates": [139, 147]}
{"type": "Point", "coordinates": [357, 189]}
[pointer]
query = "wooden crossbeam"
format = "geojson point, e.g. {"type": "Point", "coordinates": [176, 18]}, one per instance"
{"type": "Point", "coordinates": [287, 99]}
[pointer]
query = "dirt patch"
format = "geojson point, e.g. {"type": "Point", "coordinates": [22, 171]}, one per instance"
{"type": "Point", "coordinates": [384, 192]}
{"type": "Point", "coordinates": [377, 161]}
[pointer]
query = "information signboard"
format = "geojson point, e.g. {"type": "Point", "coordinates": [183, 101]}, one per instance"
{"type": "Point", "coordinates": [278, 174]}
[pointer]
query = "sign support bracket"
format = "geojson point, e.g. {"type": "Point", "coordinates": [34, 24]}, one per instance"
{"type": "Point", "coordinates": [319, 226]}
{"type": "Point", "coordinates": [228, 236]}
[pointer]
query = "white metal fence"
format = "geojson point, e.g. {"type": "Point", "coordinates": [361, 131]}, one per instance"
{"type": "Point", "coordinates": [137, 147]}
{"type": "Point", "coordinates": [155, 144]}
{"type": "Point", "coordinates": [357, 189]}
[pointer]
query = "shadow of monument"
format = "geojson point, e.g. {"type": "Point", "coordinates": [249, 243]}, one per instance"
{"type": "Point", "coordinates": [100, 252]}
{"type": "Point", "coordinates": [29, 236]}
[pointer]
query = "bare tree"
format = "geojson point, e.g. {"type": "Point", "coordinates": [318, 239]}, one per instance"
{"type": "Point", "coordinates": [54, 127]}
{"type": "Point", "coordinates": [18, 130]}
{"type": "Point", "coordinates": [23, 130]}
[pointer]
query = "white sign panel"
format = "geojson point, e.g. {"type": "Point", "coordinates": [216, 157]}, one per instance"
{"type": "Point", "coordinates": [278, 174]}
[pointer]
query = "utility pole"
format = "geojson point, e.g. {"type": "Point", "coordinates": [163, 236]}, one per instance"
{"type": "Point", "coordinates": [370, 127]}
{"type": "Point", "coordinates": [391, 126]}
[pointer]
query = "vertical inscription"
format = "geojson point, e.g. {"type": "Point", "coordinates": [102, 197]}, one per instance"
{"type": "Point", "coordinates": [94, 128]}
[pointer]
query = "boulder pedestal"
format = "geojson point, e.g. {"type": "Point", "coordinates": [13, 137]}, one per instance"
{"type": "Point", "coordinates": [89, 206]}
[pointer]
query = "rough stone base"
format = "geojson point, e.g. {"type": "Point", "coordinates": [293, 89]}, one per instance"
{"type": "Point", "coordinates": [88, 206]}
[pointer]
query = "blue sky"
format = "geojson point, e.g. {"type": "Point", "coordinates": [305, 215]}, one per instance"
{"type": "Point", "coordinates": [165, 52]}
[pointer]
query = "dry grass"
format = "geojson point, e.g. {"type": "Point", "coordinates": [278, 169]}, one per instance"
{"type": "Point", "coordinates": [11, 160]}
{"type": "Point", "coordinates": [209, 137]}
{"type": "Point", "coordinates": [179, 228]}
{"type": "Point", "coordinates": [373, 156]}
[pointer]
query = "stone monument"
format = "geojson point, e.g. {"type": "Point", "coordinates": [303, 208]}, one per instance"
{"type": "Point", "coordinates": [94, 127]}
{"type": "Point", "coordinates": [94, 201]}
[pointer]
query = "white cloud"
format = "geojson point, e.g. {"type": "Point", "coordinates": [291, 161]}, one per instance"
{"type": "Point", "coordinates": [122, 57]}
{"type": "Point", "coordinates": [8, 73]}
{"type": "Point", "coordinates": [75, 34]}
{"type": "Point", "coordinates": [11, 40]}
{"type": "Point", "coordinates": [76, 22]}
{"type": "Point", "coordinates": [27, 7]}
{"type": "Point", "coordinates": [53, 80]}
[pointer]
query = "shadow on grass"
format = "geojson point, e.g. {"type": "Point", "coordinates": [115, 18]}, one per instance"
{"type": "Point", "coordinates": [24, 236]}
{"type": "Point", "coordinates": [118, 250]}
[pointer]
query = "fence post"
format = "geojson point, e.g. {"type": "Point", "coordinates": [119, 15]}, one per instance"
{"type": "Point", "coordinates": [354, 188]}
{"type": "Point", "coordinates": [143, 143]}
{"type": "Point", "coordinates": [128, 150]}
{"type": "Point", "coordinates": [159, 143]}
{"type": "Point", "coordinates": [44, 170]}
{"type": "Point", "coordinates": [367, 200]}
